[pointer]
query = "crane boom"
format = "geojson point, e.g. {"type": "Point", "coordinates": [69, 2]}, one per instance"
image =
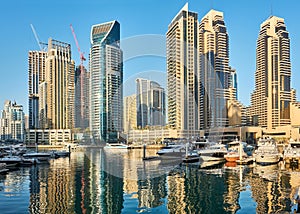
{"type": "Point", "coordinates": [82, 58]}
{"type": "Point", "coordinates": [36, 37]}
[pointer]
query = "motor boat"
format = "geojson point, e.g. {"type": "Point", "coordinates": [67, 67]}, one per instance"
{"type": "Point", "coordinates": [58, 154]}
{"type": "Point", "coordinates": [40, 156]}
{"type": "Point", "coordinates": [29, 161]}
{"type": "Point", "coordinates": [116, 146]}
{"type": "Point", "coordinates": [191, 157]}
{"type": "Point", "coordinates": [267, 152]}
{"type": "Point", "coordinates": [176, 150]}
{"type": "Point", "coordinates": [11, 160]}
{"type": "Point", "coordinates": [291, 154]}
{"type": "Point", "coordinates": [213, 152]}
{"type": "Point", "coordinates": [235, 152]}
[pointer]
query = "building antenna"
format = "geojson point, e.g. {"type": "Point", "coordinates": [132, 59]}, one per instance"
{"type": "Point", "coordinates": [211, 4]}
{"type": "Point", "coordinates": [271, 7]}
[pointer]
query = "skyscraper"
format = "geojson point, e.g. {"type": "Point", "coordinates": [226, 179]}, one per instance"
{"type": "Point", "coordinates": [216, 77]}
{"type": "Point", "coordinates": [82, 87]}
{"type": "Point", "coordinates": [182, 77]}
{"type": "Point", "coordinates": [36, 75]}
{"type": "Point", "coordinates": [130, 113]}
{"type": "Point", "coordinates": [271, 98]}
{"type": "Point", "coordinates": [106, 89]}
{"type": "Point", "coordinates": [58, 89]}
{"type": "Point", "coordinates": [150, 103]}
{"type": "Point", "coordinates": [12, 122]}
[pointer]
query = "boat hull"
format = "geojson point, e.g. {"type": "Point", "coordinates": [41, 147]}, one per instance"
{"type": "Point", "coordinates": [191, 159]}
{"type": "Point", "coordinates": [116, 146]}
{"type": "Point", "coordinates": [11, 161]}
{"type": "Point", "coordinates": [266, 159]}
{"type": "Point", "coordinates": [211, 158]}
{"type": "Point", "coordinates": [232, 158]}
{"type": "Point", "coordinates": [171, 154]}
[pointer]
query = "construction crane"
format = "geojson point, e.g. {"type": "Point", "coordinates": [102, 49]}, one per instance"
{"type": "Point", "coordinates": [82, 58]}
{"type": "Point", "coordinates": [37, 38]}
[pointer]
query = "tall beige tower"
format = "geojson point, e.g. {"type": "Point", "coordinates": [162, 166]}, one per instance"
{"type": "Point", "coordinates": [182, 71]}
{"type": "Point", "coordinates": [36, 75]}
{"type": "Point", "coordinates": [217, 79]}
{"type": "Point", "coordinates": [60, 76]}
{"type": "Point", "coordinates": [271, 98]}
{"type": "Point", "coordinates": [130, 113]}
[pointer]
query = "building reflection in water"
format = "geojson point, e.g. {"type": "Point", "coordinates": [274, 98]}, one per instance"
{"type": "Point", "coordinates": [98, 182]}
{"type": "Point", "coordinates": [51, 187]}
{"type": "Point", "coordinates": [194, 191]}
{"type": "Point", "coordinates": [269, 186]}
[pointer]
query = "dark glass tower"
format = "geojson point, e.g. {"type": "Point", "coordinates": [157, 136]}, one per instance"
{"type": "Point", "coordinates": [106, 67]}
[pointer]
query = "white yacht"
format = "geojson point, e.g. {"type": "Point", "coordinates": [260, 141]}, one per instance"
{"type": "Point", "coordinates": [116, 146]}
{"type": "Point", "coordinates": [235, 151]}
{"type": "Point", "coordinates": [39, 156]}
{"type": "Point", "coordinates": [267, 152]}
{"type": "Point", "coordinates": [11, 160]}
{"type": "Point", "coordinates": [213, 152]}
{"type": "Point", "coordinates": [172, 150]}
{"type": "Point", "coordinates": [292, 152]}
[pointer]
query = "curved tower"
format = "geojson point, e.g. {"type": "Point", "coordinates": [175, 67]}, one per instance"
{"type": "Point", "coordinates": [106, 78]}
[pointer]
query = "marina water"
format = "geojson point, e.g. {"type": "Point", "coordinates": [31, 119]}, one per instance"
{"type": "Point", "coordinates": [97, 181]}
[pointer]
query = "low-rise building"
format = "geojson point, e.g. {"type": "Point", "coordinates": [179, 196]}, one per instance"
{"type": "Point", "coordinates": [49, 136]}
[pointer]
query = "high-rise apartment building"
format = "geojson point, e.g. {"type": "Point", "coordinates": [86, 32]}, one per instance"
{"type": "Point", "coordinates": [150, 102]}
{"type": "Point", "coordinates": [216, 77]}
{"type": "Point", "coordinates": [106, 79]}
{"type": "Point", "coordinates": [58, 88]}
{"type": "Point", "coordinates": [36, 75]}
{"type": "Point", "coordinates": [130, 113]}
{"type": "Point", "coordinates": [82, 78]}
{"type": "Point", "coordinates": [182, 71]}
{"type": "Point", "coordinates": [12, 122]}
{"type": "Point", "coordinates": [270, 101]}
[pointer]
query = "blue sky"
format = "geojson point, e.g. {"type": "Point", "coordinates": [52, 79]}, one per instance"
{"type": "Point", "coordinates": [137, 18]}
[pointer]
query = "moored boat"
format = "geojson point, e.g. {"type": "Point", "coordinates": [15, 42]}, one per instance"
{"type": "Point", "coordinates": [58, 154]}
{"type": "Point", "coordinates": [291, 154]}
{"type": "Point", "coordinates": [40, 156]}
{"type": "Point", "coordinates": [267, 152]}
{"type": "Point", "coordinates": [213, 152]}
{"type": "Point", "coordinates": [232, 156]}
{"type": "Point", "coordinates": [191, 157]}
{"type": "Point", "coordinates": [29, 161]}
{"type": "Point", "coordinates": [116, 146]}
{"type": "Point", "coordinates": [11, 160]}
{"type": "Point", "coordinates": [236, 152]}
{"type": "Point", "coordinates": [176, 150]}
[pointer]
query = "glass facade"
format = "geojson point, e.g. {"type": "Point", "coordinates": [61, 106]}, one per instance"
{"type": "Point", "coordinates": [106, 81]}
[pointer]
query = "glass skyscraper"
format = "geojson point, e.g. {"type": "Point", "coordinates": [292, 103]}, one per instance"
{"type": "Point", "coordinates": [150, 100]}
{"type": "Point", "coordinates": [82, 88]}
{"type": "Point", "coordinates": [106, 70]}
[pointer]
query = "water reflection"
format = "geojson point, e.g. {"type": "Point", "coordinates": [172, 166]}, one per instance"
{"type": "Point", "coordinates": [99, 182]}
